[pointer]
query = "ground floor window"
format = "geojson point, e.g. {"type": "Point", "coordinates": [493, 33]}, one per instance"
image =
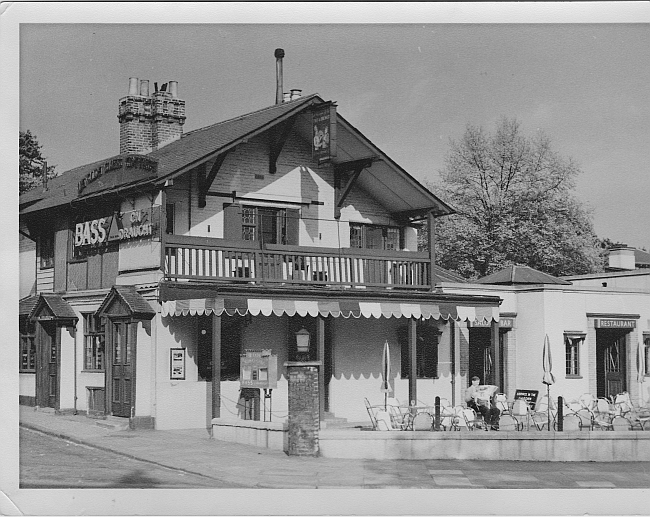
{"type": "Point", "coordinates": [572, 354]}
{"type": "Point", "coordinates": [27, 346]}
{"type": "Point", "coordinates": [426, 351]}
{"type": "Point", "coordinates": [94, 342]}
{"type": "Point", "coordinates": [646, 342]}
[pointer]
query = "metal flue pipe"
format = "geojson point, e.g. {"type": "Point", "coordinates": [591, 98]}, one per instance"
{"type": "Point", "coordinates": [279, 54]}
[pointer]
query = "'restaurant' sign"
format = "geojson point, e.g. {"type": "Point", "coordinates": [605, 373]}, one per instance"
{"type": "Point", "coordinates": [601, 323]}
{"type": "Point", "coordinates": [121, 226]}
{"type": "Point", "coordinates": [324, 133]}
{"type": "Point", "coordinates": [117, 171]}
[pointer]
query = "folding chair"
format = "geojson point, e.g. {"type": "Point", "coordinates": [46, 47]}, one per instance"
{"type": "Point", "coordinates": [422, 422]}
{"type": "Point", "coordinates": [473, 421]}
{"type": "Point", "coordinates": [540, 417]}
{"type": "Point", "coordinates": [502, 403]}
{"type": "Point", "coordinates": [385, 422]}
{"type": "Point", "coordinates": [638, 416]}
{"type": "Point", "coordinates": [371, 413]}
{"type": "Point", "coordinates": [508, 422]}
{"type": "Point", "coordinates": [521, 411]}
{"type": "Point", "coordinates": [571, 422]}
{"type": "Point", "coordinates": [603, 415]}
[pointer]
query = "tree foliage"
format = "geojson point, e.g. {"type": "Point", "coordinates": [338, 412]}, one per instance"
{"type": "Point", "coordinates": [30, 162]}
{"type": "Point", "coordinates": [515, 205]}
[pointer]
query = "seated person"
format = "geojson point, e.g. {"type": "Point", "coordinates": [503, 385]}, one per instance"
{"type": "Point", "coordinates": [489, 413]}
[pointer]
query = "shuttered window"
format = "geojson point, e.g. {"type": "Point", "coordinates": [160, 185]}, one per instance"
{"type": "Point", "coordinates": [263, 224]}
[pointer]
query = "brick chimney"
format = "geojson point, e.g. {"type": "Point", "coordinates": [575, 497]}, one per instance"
{"type": "Point", "coordinates": [148, 122]}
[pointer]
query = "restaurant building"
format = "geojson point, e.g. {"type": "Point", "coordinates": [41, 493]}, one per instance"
{"type": "Point", "coordinates": [172, 284]}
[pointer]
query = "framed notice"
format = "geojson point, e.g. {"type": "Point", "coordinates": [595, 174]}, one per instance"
{"type": "Point", "coordinates": [177, 364]}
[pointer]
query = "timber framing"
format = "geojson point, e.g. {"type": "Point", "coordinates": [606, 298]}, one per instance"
{"type": "Point", "coordinates": [206, 180]}
{"type": "Point", "coordinates": [340, 171]}
{"type": "Point", "coordinates": [277, 140]}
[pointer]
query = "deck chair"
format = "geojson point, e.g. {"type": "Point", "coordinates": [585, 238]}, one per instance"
{"type": "Point", "coordinates": [603, 415]}
{"type": "Point", "coordinates": [371, 413]}
{"type": "Point", "coordinates": [422, 422]}
{"type": "Point", "coordinates": [571, 422]}
{"type": "Point", "coordinates": [521, 412]}
{"type": "Point", "coordinates": [507, 422]}
{"type": "Point", "coordinates": [385, 422]}
{"type": "Point", "coordinates": [472, 420]}
{"type": "Point", "coordinates": [502, 403]}
{"type": "Point", "coordinates": [540, 416]}
{"type": "Point", "coordinates": [638, 416]}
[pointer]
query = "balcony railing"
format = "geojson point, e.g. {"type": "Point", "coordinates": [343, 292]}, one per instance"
{"type": "Point", "coordinates": [198, 258]}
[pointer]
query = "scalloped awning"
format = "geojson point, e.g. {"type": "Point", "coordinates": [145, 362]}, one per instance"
{"type": "Point", "coordinates": [346, 309]}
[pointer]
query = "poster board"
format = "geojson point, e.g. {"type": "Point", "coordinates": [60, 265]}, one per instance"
{"type": "Point", "coordinates": [177, 364]}
{"type": "Point", "coordinates": [530, 396]}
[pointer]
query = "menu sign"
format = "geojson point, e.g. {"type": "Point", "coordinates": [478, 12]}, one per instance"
{"type": "Point", "coordinates": [177, 364]}
{"type": "Point", "coordinates": [530, 396]}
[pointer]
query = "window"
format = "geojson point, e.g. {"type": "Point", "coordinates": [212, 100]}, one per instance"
{"type": "Point", "coordinates": [374, 237]}
{"type": "Point", "coordinates": [93, 342]}
{"type": "Point", "coordinates": [572, 352]}
{"type": "Point", "coordinates": [646, 341]}
{"type": "Point", "coordinates": [169, 218]}
{"type": "Point", "coordinates": [27, 346]}
{"type": "Point", "coordinates": [426, 351]}
{"type": "Point", "coordinates": [265, 224]}
{"type": "Point", "coordinates": [47, 250]}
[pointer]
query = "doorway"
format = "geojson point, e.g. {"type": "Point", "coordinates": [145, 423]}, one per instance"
{"type": "Point", "coordinates": [48, 364]}
{"type": "Point", "coordinates": [121, 375]}
{"type": "Point", "coordinates": [480, 355]}
{"type": "Point", "coordinates": [611, 354]}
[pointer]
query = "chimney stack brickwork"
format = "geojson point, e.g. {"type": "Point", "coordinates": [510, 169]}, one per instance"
{"type": "Point", "coordinates": [149, 122]}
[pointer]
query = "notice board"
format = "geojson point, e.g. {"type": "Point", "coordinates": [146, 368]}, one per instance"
{"type": "Point", "coordinates": [530, 396]}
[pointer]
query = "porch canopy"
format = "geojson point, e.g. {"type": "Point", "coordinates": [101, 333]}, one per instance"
{"type": "Point", "coordinates": [184, 299]}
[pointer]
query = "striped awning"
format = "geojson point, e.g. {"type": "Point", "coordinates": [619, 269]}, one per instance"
{"type": "Point", "coordinates": [346, 309]}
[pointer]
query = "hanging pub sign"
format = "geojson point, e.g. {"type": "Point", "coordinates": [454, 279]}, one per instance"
{"type": "Point", "coordinates": [117, 171]}
{"type": "Point", "coordinates": [324, 132]}
{"type": "Point", "coordinates": [121, 226]}
{"type": "Point", "coordinates": [258, 369]}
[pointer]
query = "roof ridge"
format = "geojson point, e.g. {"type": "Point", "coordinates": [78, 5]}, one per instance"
{"type": "Point", "coordinates": [256, 112]}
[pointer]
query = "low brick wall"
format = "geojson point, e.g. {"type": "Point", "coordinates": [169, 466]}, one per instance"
{"type": "Point", "coordinates": [479, 445]}
{"type": "Point", "coordinates": [272, 435]}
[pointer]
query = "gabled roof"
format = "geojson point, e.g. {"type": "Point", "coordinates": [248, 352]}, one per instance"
{"type": "Point", "coordinates": [444, 275]}
{"type": "Point", "coordinates": [515, 274]}
{"type": "Point", "coordinates": [26, 305]}
{"type": "Point", "coordinates": [57, 307]}
{"type": "Point", "coordinates": [403, 194]}
{"type": "Point", "coordinates": [132, 300]}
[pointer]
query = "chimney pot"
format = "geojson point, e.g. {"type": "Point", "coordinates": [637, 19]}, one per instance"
{"type": "Point", "coordinates": [295, 93]}
{"type": "Point", "coordinates": [173, 89]}
{"type": "Point", "coordinates": [287, 97]}
{"type": "Point", "coordinates": [133, 85]}
{"type": "Point", "coordinates": [144, 88]}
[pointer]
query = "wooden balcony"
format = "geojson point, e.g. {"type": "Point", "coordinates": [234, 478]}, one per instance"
{"type": "Point", "coordinates": [219, 260]}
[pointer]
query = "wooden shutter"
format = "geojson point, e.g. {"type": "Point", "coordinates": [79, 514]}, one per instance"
{"type": "Point", "coordinates": [232, 221]}
{"type": "Point", "coordinates": [293, 226]}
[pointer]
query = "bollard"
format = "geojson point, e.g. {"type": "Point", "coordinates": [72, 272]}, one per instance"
{"type": "Point", "coordinates": [560, 413]}
{"type": "Point", "coordinates": [436, 422]}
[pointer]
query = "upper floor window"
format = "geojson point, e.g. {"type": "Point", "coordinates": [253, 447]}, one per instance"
{"type": "Point", "coordinates": [46, 249]}
{"type": "Point", "coordinates": [374, 236]}
{"type": "Point", "coordinates": [27, 346]}
{"type": "Point", "coordinates": [94, 342]}
{"type": "Point", "coordinates": [264, 224]}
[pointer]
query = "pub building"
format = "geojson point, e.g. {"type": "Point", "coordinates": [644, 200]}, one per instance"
{"type": "Point", "coordinates": [176, 284]}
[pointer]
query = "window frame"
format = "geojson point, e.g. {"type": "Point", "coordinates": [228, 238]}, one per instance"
{"type": "Point", "coordinates": [360, 241]}
{"type": "Point", "coordinates": [95, 334]}
{"type": "Point", "coordinates": [646, 355]}
{"type": "Point", "coordinates": [46, 250]}
{"type": "Point", "coordinates": [256, 228]}
{"type": "Point", "coordinates": [572, 341]}
{"type": "Point", "coordinates": [422, 352]}
{"type": "Point", "coordinates": [27, 346]}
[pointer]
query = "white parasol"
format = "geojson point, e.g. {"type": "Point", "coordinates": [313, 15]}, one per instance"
{"type": "Point", "coordinates": [548, 378]}
{"type": "Point", "coordinates": [385, 373]}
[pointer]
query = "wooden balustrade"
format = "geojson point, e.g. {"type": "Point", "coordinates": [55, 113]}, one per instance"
{"type": "Point", "coordinates": [233, 261]}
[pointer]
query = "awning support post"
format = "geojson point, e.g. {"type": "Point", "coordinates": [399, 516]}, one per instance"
{"type": "Point", "coordinates": [216, 366]}
{"type": "Point", "coordinates": [320, 342]}
{"type": "Point", "coordinates": [412, 342]}
{"type": "Point", "coordinates": [431, 229]}
{"type": "Point", "coordinates": [496, 354]}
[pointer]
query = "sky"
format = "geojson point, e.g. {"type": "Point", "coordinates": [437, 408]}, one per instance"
{"type": "Point", "coordinates": [409, 87]}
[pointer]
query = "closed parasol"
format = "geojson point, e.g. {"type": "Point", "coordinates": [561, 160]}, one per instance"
{"type": "Point", "coordinates": [385, 373]}
{"type": "Point", "coordinates": [548, 378]}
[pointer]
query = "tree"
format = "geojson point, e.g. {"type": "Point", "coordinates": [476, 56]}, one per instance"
{"type": "Point", "coordinates": [31, 162]}
{"type": "Point", "coordinates": [514, 203]}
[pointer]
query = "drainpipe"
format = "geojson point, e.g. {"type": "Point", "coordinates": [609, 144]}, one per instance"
{"type": "Point", "coordinates": [75, 338]}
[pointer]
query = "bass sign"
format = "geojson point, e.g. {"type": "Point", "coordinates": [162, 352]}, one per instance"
{"type": "Point", "coordinates": [118, 227]}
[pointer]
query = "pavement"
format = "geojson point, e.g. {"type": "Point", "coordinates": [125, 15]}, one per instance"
{"type": "Point", "coordinates": [194, 451]}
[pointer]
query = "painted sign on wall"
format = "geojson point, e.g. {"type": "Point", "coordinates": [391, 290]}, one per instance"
{"type": "Point", "coordinates": [121, 226]}
{"type": "Point", "coordinates": [258, 369]}
{"type": "Point", "coordinates": [116, 171]}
